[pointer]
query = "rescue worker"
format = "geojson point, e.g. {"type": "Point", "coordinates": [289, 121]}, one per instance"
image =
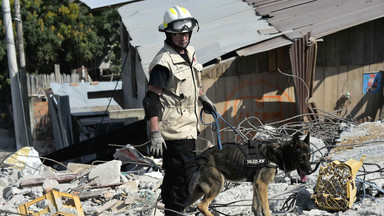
{"type": "Point", "coordinates": [171, 106]}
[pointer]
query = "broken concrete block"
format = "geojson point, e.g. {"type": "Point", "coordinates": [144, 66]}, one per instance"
{"type": "Point", "coordinates": [18, 200]}
{"type": "Point", "coordinates": [49, 184]}
{"type": "Point", "coordinates": [123, 178]}
{"type": "Point", "coordinates": [36, 192]}
{"type": "Point", "coordinates": [9, 207]}
{"type": "Point", "coordinates": [48, 172]}
{"type": "Point", "coordinates": [128, 188]}
{"type": "Point", "coordinates": [65, 187]}
{"type": "Point", "coordinates": [107, 173]}
{"type": "Point", "coordinates": [3, 182]}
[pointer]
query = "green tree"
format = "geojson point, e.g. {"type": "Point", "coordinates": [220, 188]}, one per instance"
{"type": "Point", "coordinates": [64, 32]}
{"type": "Point", "coordinates": [68, 33]}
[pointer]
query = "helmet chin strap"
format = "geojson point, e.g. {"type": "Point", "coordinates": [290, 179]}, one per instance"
{"type": "Point", "coordinates": [170, 42]}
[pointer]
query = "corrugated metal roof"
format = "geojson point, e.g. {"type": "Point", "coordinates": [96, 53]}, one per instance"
{"type": "Point", "coordinates": [295, 18]}
{"type": "Point", "coordinates": [78, 99]}
{"type": "Point", "coordinates": [225, 26]}
{"type": "Point", "coordinates": [95, 4]}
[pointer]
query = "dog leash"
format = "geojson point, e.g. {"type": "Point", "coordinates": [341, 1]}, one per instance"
{"type": "Point", "coordinates": [215, 125]}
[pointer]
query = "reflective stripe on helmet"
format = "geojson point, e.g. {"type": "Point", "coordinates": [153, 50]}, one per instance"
{"type": "Point", "coordinates": [172, 11]}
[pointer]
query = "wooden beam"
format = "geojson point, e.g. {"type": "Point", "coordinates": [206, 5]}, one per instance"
{"type": "Point", "coordinates": [127, 113]}
{"type": "Point", "coordinates": [39, 181]}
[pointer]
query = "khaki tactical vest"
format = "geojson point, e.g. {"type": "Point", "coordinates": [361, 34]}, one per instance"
{"type": "Point", "coordinates": [178, 118]}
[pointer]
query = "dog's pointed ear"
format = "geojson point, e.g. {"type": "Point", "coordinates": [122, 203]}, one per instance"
{"type": "Point", "coordinates": [306, 140]}
{"type": "Point", "coordinates": [296, 138]}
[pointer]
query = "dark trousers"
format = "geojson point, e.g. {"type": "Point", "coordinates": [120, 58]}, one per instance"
{"type": "Point", "coordinates": [179, 165]}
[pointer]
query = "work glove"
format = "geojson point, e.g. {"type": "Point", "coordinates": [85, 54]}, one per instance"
{"type": "Point", "coordinates": [208, 106]}
{"type": "Point", "coordinates": [157, 143]}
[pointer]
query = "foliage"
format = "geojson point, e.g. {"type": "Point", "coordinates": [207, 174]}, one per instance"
{"type": "Point", "coordinates": [64, 32]}
{"type": "Point", "coordinates": [67, 33]}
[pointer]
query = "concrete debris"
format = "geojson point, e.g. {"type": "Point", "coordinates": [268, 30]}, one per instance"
{"type": "Point", "coordinates": [110, 188]}
{"type": "Point", "coordinates": [107, 173]}
{"type": "Point", "coordinates": [102, 188]}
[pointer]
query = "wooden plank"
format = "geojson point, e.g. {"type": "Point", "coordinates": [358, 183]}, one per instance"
{"type": "Point", "coordinates": [246, 100]}
{"type": "Point", "coordinates": [261, 59]}
{"type": "Point", "coordinates": [220, 92]}
{"type": "Point", "coordinates": [270, 98]}
{"type": "Point", "coordinates": [286, 91]}
{"type": "Point", "coordinates": [356, 45]}
{"type": "Point", "coordinates": [330, 85]}
{"type": "Point", "coordinates": [248, 65]}
{"type": "Point", "coordinates": [40, 180]}
{"type": "Point", "coordinates": [320, 61]}
{"type": "Point", "coordinates": [379, 42]}
{"type": "Point", "coordinates": [272, 61]}
{"type": "Point", "coordinates": [319, 88]}
{"type": "Point", "coordinates": [209, 87]}
{"type": "Point", "coordinates": [127, 113]}
{"type": "Point", "coordinates": [342, 89]}
{"type": "Point", "coordinates": [342, 47]}
{"type": "Point", "coordinates": [378, 96]}
{"type": "Point", "coordinates": [283, 59]}
{"type": "Point", "coordinates": [257, 105]}
{"type": "Point", "coordinates": [367, 101]}
{"type": "Point", "coordinates": [369, 42]}
{"type": "Point", "coordinates": [355, 86]}
{"type": "Point", "coordinates": [330, 46]}
{"type": "Point", "coordinates": [232, 95]}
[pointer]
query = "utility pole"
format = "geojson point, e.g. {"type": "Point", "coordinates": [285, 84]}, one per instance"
{"type": "Point", "coordinates": [19, 125]}
{"type": "Point", "coordinates": [22, 74]}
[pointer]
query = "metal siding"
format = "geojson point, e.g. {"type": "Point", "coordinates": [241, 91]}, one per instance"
{"type": "Point", "coordinates": [320, 17]}
{"type": "Point", "coordinates": [225, 26]}
{"type": "Point", "coordinates": [94, 4]}
{"type": "Point", "coordinates": [78, 99]}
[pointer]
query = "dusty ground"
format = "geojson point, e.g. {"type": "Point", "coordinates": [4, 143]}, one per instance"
{"type": "Point", "coordinates": [286, 198]}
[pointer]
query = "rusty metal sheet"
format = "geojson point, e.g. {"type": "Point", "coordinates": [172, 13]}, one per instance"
{"type": "Point", "coordinates": [303, 60]}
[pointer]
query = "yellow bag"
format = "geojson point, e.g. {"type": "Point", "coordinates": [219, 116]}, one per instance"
{"type": "Point", "coordinates": [335, 188]}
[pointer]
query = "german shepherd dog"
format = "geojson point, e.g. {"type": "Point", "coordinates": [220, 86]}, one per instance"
{"type": "Point", "coordinates": [230, 163]}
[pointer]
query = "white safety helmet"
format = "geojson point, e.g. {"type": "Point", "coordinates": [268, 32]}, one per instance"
{"type": "Point", "coordinates": [178, 20]}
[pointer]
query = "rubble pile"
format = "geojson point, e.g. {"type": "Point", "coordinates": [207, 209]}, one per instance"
{"type": "Point", "coordinates": [130, 184]}
{"type": "Point", "coordinates": [101, 188]}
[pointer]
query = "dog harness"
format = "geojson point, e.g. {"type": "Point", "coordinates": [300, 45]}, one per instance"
{"type": "Point", "coordinates": [253, 157]}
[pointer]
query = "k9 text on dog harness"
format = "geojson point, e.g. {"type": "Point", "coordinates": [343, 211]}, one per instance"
{"type": "Point", "coordinates": [253, 157]}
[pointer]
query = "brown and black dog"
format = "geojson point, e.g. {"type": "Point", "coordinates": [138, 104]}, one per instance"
{"type": "Point", "coordinates": [232, 163]}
